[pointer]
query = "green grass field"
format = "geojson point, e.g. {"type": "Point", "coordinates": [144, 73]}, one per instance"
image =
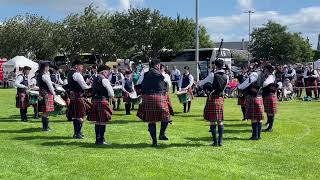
{"type": "Point", "coordinates": [292, 151]}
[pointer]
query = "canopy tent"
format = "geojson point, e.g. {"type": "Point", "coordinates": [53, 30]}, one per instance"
{"type": "Point", "coordinates": [17, 63]}
{"type": "Point", "coordinates": [316, 64]}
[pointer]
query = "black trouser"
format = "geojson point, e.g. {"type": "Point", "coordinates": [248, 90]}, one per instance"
{"type": "Point", "coordinates": [174, 86]}
{"type": "Point", "coordinates": [116, 105]}
{"type": "Point", "coordinates": [5, 84]}
{"type": "Point", "coordinates": [23, 114]}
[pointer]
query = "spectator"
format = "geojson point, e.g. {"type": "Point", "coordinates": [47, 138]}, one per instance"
{"type": "Point", "coordinates": [287, 88]}
{"type": "Point", "coordinates": [175, 78]}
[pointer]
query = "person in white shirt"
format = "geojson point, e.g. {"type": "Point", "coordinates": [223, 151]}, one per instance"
{"type": "Point", "coordinates": [311, 76]}
{"type": "Point", "coordinates": [185, 84]}
{"type": "Point", "coordinates": [169, 83]}
{"type": "Point", "coordinates": [175, 77]}
{"type": "Point", "coordinates": [78, 106]}
{"type": "Point", "coordinates": [22, 83]}
{"type": "Point", "coordinates": [115, 79]}
{"type": "Point", "coordinates": [290, 73]}
{"type": "Point", "coordinates": [55, 76]}
{"type": "Point", "coordinates": [101, 112]}
{"type": "Point", "coordinates": [287, 88]}
{"type": "Point", "coordinates": [128, 89]}
{"type": "Point", "coordinates": [46, 91]}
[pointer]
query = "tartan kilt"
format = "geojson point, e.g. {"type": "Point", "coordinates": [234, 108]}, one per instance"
{"type": "Point", "coordinates": [22, 100]}
{"type": "Point", "coordinates": [154, 108]}
{"type": "Point", "coordinates": [170, 106]}
{"type": "Point", "coordinates": [100, 111]}
{"type": "Point", "coordinates": [270, 103]}
{"type": "Point", "coordinates": [126, 97]}
{"type": "Point", "coordinates": [77, 107]}
{"type": "Point", "coordinates": [254, 108]}
{"type": "Point", "coordinates": [46, 102]}
{"type": "Point", "coordinates": [299, 84]}
{"type": "Point", "coordinates": [214, 108]}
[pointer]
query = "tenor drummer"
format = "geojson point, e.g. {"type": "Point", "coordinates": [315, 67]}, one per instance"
{"type": "Point", "coordinates": [100, 110]}
{"type": "Point", "coordinates": [185, 84]}
{"type": "Point", "coordinates": [46, 91]}
{"type": "Point", "coordinates": [33, 85]}
{"type": "Point", "coordinates": [115, 79]}
{"type": "Point", "coordinates": [127, 88]}
{"type": "Point", "coordinates": [214, 109]}
{"type": "Point", "coordinates": [169, 83]}
{"type": "Point", "coordinates": [22, 99]}
{"type": "Point", "coordinates": [55, 76]}
{"type": "Point", "coordinates": [154, 106]}
{"type": "Point", "coordinates": [254, 102]}
{"type": "Point", "coordinates": [77, 106]}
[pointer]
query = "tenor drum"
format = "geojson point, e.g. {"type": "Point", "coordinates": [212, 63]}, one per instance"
{"type": "Point", "coordinates": [183, 96]}
{"type": "Point", "coordinates": [135, 99]}
{"type": "Point", "coordinates": [33, 97]}
{"type": "Point", "coordinates": [59, 103]}
{"type": "Point", "coordinates": [117, 91]}
{"type": "Point", "coordinates": [59, 89]}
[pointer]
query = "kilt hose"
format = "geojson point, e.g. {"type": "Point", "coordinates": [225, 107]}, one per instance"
{"type": "Point", "coordinates": [254, 108]}
{"type": "Point", "coordinates": [77, 107]}
{"type": "Point", "coordinates": [22, 100]}
{"type": "Point", "coordinates": [46, 102]}
{"type": "Point", "coordinates": [154, 108]}
{"type": "Point", "coordinates": [126, 98]}
{"type": "Point", "coordinates": [213, 110]}
{"type": "Point", "coordinates": [100, 111]}
{"type": "Point", "coordinates": [270, 103]}
{"type": "Point", "coordinates": [170, 106]}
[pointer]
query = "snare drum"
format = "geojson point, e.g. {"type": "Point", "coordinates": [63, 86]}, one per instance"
{"type": "Point", "coordinates": [59, 88]}
{"type": "Point", "coordinates": [59, 103]}
{"type": "Point", "coordinates": [117, 91]}
{"type": "Point", "coordinates": [135, 99]}
{"type": "Point", "coordinates": [183, 96]}
{"type": "Point", "coordinates": [33, 97]}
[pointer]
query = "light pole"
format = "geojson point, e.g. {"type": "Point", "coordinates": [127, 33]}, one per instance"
{"type": "Point", "coordinates": [197, 38]}
{"type": "Point", "coordinates": [249, 12]}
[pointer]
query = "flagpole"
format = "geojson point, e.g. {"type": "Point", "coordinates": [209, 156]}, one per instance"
{"type": "Point", "coordinates": [197, 38]}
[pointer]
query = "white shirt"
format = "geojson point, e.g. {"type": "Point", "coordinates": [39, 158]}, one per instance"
{"type": "Point", "coordinates": [33, 82]}
{"type": "Point", "coordinates": [123, 84]}
{"type": "Point", "coordinates": [141, 77]}
{"type": "Point", "coordinates": [106, 83]}
{"type": "Point", "coordinates": [253, 77]}
{"type": "Point", "coordinates": [19, 80]}
{"type": "Point", "coordinates": [46, 78]}
{"type": "Point", "coordinates": [79, 79]}
{"type": "Point", "coordinates": [306, 76]}
{"type": "Point", "coordinates": [292, 74]}
{"type": "Point", "coordinates": [167, 79]}
{"type": "Point", "coordinates": [210, 78]}
{"type": "Point", "coordinates": [190, 82]}
{"type": "Point", "coordinates": [57, 75]}
{"type": "Point", "coordinates": [174, 73]}
{"type": "Point", "coordinates": [270, 79]}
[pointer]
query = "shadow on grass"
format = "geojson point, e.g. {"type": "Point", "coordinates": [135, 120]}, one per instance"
{"type": "Point", "coordinates": [124, 121]}
{"type": "Point", "coordinates": [41, 137]}
{"type": "Point", "coordinates": [237, 125]}
{"type": "Point", "coordinates": [209, 139]}
{"type": "Point", "coordinates": [27, 130]}
{"type": "Point", "coordinates": [119, 146]}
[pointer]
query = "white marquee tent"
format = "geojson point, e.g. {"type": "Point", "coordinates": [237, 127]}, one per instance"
{"type": "Point", "coordinates": [18, 63]}
{"type": "Point", "coordinates": [316, 64]}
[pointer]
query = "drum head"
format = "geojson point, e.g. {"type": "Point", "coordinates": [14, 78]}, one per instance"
{"type": "Point", "coordinates": [59, 88]}
{"type": "Point", "coordinates": [133, 95]}
{"type": "Point", "coordinates": [34, 93]}
{"type": "Point", "coordinates": [117, 87]}
{"type": "Point", "coordinates": [181, 92]}
{"type": "Point", "coordinates": [59, 101]}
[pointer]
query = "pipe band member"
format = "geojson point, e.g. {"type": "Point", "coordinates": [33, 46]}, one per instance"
{"type": "Point", "coordinates": [168, 84]}
{"type": "Point", "coordinates": [214, 109]}
{"type": "Point", "coordinates": [77, 107]}
{"type": "Point", "coordinates": [46, 92]}
{"type": "Point", "coordinates": [100, 110]}
{"type": "Point", "coordinates": [154, 106]}
{"type": "Point", "coordinates": [115, 79]}
{"type": "Point", "coordinates": [299, 81]}
{"type": "Point", "coordinates": [254, 102]}
{"type": "Point", "coordinates": [127, 89]}
{"type": "Point", "coordinates": [185, 84]}
{"type": "Point", "coordinates": [33, 84]}
{"type": "Point", "coordinates": [311, 76]}
{"type": "Point", "coordinates": [241, 95]}
{"type": "Point", "coordinates": [22, 99]}
{"type": "Point", "coordinates": [269, 95]}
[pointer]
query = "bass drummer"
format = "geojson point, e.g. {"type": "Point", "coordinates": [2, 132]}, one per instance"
{"type": "Point", "coordinates": [115, 79]}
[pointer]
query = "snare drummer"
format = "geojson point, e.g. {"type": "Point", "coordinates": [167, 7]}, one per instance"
{"type": "Point", "coordinates": [100, 110]}
{"type": "Point", "coordinates": [33, 84]}
{"type": "Point", "coordinates": [116, 78]}
{"type": "Point", "coordinates": [22, 100]}
{"type": "Point", "coordinates": [127, 88]}
{"type": "Point", "coordinates": [77, 106]}
{"type": "Point", "coordinates": [169, 83]}
{"type": "Point", "coordinates": [185, 84]}
{"type": "Point", "coordinates": [55, 76]}
{"type": "Point", "coordinates": [46, 91]}
{"type": "Point", "coordinates": [214, 109]}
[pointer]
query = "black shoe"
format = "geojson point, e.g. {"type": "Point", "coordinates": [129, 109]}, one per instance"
{"type": "Point", "coordinates": [163, 138]}
{"type": "Point", "coordinates": [214, 143]}
{"type": "Point", "coordinates": [267, 130]}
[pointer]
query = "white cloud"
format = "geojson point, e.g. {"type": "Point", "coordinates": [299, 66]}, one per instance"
{"type": "Point", "coordinates": [235, 27]}
{"type": "Point", "coordinates": [245, 4]}
{"type": "Point", "coordinates": [126, 4]}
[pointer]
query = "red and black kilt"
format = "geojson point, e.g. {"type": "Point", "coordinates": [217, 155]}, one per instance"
{"type": "Point", "coordinates": [270, 103]}
{"type": "Point", "coordinates": [214, 108]}
{"type": "Point", "coordinates": [126, 97]}
{"type": "Point", "coordinates": [22, 100]}
{"type": "Point", "coordinates": [154, 108]}
{"type": "Point", "coordinates": [77, 107]}
{"type": "Point", "coordinates": [170, 106]}
{"type": "Point", "coordinates": [299, 84]}
{"type": "Point", "coordinates": [254, 108]}
{"type": "Point", "coordinates": [100, 111]}
{"type": "Point", "coordinates": [46, 103]}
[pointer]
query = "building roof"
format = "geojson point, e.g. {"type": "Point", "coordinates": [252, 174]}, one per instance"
{"type": "Point", "coordinates": [234, 45]}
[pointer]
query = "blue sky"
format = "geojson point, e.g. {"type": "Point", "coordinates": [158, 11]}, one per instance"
{"type": "Point", "coordinates": [224, 19]}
